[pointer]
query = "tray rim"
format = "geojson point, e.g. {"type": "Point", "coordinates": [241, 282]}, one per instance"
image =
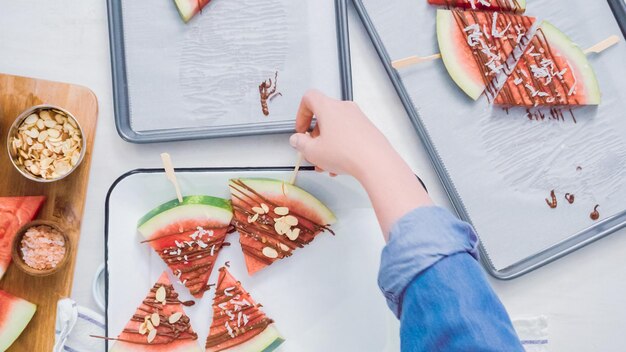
{"type": "Point", "coordinates": [133, 172]}
{"type": "Point", "coordinates": [558, 250]}
{"type": "Point", "coordinates": [120, 86]}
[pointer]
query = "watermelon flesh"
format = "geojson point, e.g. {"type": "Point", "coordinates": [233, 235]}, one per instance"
{"type": "Point", "coordinates": [553, 71]}
{"type": "Point", "coordinates": [476, 45]}
{"type": "Point", "coordinates": [238, 323]}
{"type": "Point", "coordinates": [518, 6]}
{"type": "Point", "coordinates": [188, 237]}
{"type": "Point", "coordinates": [291, 220]}
{"type": "Point", "coordinates": [189, 8]}
{"type": "Point", "coordinates": [174, 331]}
{"type": "Point", "coordinates": [14, 213]}
{"type": "Point", "coordinates": [15, 314]}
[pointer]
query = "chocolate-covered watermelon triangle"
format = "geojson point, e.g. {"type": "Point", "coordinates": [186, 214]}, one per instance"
{"type": "Point", "coordinates": [14, 212]}
{"type": "Point", "coordinates": [188, 237]}
{"type": "Point", "coordinates": [553, 71]}
{"type": "Point", "coordinates": [476, 46]}
{"type": "Point", "coordinates": [159, 323]}
{"type": "Point", "coordinates": [274, 218]}
{"type": "Point", "coordinates": [238, 323]}
{"type": "Point", "coordinates": [518, 6]}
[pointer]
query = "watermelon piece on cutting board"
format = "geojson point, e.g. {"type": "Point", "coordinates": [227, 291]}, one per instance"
{"type": "Point", "coordinates": [238, 323]}
{"type": "Point", "coordinates": [476, 45]}
{"type": "Point", "coordinates": [159, 324]}
{"type": "Point", "coordinates": [15, 314]}
{"type": "Point", "coordinates": [553, 71]}
{"type": "Point", "coordinates": [14, 213]}
{"type": "Point", "coordinates": [189, 8]}
{"type": "Point", "coordinates": [274, 218]}
{"type": "Point", "coordinates": [188, 237]}
{"type": "Point", "coordinates": [518, 6]}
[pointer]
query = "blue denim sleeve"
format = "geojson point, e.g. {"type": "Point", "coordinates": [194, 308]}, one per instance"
{"type": "Point", "coordinates": [416, 242]}
{"type": "Point", "coordinates": [451, 307]}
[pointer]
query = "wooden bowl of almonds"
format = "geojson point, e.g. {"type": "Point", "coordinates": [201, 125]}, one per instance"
{"type": "Point", "coordinates": [46, 143]}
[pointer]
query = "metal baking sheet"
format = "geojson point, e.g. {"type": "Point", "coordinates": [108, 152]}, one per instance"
{"type": "Point", "coordinates": [497, 167]}
{"type": "Point", "coordinates": [176, 81]}
{"type": "Point", "coordinates": [324, 298]}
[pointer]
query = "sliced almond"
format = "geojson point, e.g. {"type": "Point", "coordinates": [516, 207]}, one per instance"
{"type": "Point", "coordinates": [270, 252]}
{"type": "Point", "coordinates": [143, 329]}
{"type": "Point", "coordinates": [293, 234]}
{"type": "Point", "coordinates": [265, 207]}
{"type": "Point", "coordinates": [175, 317]}
{"type": "Point", "coordinates": [281, 211]}
{"type": "Point", "coordinates": [281, 228]}
{"type": "Point", "coordinates": [291, 220]}
{"type": "Point", "coordinates": [54, 133]}
{"type": "Point", "coordinates": [284, 247]}
{"type": "Point", "coordinates": [258, 210]}
{"type": "Point", "coordinates": [31, 119]}
{"type": "Point", "coordinates": [149, 325]}
{"type": "Point", "coordinates": [155, 319]}
{"type": "Point", "coordinates": [160, 294]}
{"type": "Point", "coordinates": [152, 336]}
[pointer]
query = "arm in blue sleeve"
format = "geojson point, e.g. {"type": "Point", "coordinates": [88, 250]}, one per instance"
{"type": "Point", "coordinates": [432, 281]}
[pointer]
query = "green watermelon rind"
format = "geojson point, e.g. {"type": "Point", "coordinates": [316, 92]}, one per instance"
{"type": "Point", "coordinates": [576, 58]}
{"type": "Point", "coordinates": [266, 341]}
{"type": "Point", "coordinates": [270, 186]}
{"type": "Point", "coordinates": [15, 323]}
{"type": "Point", "coordinates": [448, 47]}
{"type": "Point", "coordinates": [217, 209]}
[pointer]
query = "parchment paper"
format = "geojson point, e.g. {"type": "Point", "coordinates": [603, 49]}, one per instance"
{"type": "Point", "coordinates": [505, 165]}
{"type": "Point", "coordinates": [323, 298]}
{"type": "Point", "coordinates": [206, 73]}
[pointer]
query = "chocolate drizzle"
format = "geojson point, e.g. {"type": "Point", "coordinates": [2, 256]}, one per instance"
{"type": "Point", "coordinates": [267, 92]}
{"type": "Point", "coordinates": [552, 202]}
{"type": "Point", "coordinates": [595, 214]}
{"type": "Point", "coordinates": [262, 230]}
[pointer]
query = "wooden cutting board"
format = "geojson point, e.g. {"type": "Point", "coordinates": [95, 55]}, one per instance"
{"type": "Point", "coordinates": [65, 198]}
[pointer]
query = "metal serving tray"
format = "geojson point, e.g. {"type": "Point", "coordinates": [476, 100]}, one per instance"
{"type": "Point", "coordinates": [334, 275]}
{"type": "Point", "coordinates": [174, 81]}
{"type": "Point", "coordinates": [518, 232]}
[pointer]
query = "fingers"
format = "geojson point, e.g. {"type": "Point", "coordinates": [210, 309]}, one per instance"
{"type": "Point", "coordinates": [309, 107]}
{"type": "Point", "coordinates": [305, 144]}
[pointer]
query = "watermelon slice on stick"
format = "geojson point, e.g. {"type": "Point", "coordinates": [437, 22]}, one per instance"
{"type": "Point", "coordinates": [15, 314]}
{"type": "Point", "coordinates": [159, 324]}
{"type": "Point", "coordinates": [188, 237]}
{"type": "Point", "coordinates": [476, 45]}
{"type": "Point", "coordinates": [518, 6]}
{"type": "Point", "coordinates": [553, 71]}
{"type": "Point", "coordinates": [238, 323]}
{"type": "Point", "coordinates": [189, 8]}
{"type": "Point", "coordinates": [274, 218]}
{"type": "Point", "coordinates": [14, 213]}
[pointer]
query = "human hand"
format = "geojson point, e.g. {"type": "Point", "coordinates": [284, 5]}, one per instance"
{"type": "Point", "coordinates": [344, 141]}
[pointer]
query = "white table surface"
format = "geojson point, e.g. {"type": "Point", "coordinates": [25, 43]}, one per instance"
{"type": "Point", "coordinates": [584, 294]}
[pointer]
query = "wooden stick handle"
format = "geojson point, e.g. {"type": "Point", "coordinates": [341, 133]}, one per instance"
{"type": "Point", "coordinates": [412, 60]}
{"type": "Point", "coordinates": [603, 45]}
{"type": "Point", "coordinates": [171, 175]}
{"type": "Point", "coordinates": [294, 175]}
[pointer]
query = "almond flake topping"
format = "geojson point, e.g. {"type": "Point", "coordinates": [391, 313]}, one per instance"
{"type": "Point", "coordinates": [175, 317]}
{"type": "Point", "coordinates": [160, 294]}
{"type": "Point", "coordinates": [270, 252]}
{"type": "Point", "coordinates": [258, 210]}
{"type": "Point", "coordinates": [155, 319]}
{"type": "Point", "coordinates": [152, 336]}
{"type": "Point", "coordinates": [281, 211]}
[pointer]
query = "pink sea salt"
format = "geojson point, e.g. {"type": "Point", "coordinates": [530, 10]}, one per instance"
{"type": "Point", "coordinates": [43, 247]}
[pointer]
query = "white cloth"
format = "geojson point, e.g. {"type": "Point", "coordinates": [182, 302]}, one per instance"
{"type": "Point", "coordinates": [74, 325]}
{"type": "Point", "coordinates": [533, 332]}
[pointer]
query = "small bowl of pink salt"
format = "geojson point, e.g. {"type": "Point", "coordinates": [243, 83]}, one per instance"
{"type": "Point", "coordinates": [40, 248]}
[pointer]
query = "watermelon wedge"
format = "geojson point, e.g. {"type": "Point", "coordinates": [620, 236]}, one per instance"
{"type": "Point", "coordinates": [189, 8]}
{"type": "Point", "coordinates": [14, 213]}
{"type": "Point", "coordinates": [274, 218]}
{"type": "Point", "coordinates": [518, 6]}
{"type": "Point", "coordinates": [159, 324]}
{"type": "Point", "coordinates": [188, 236]}
{"type": "Point", "coordinates": [475, 45]}
{"type": "Point", "coordinates": [238, 323]}
{"type": "Point", "coordinates": [553, 71]}
{"type": "Point", "coordinates": [15, 314]}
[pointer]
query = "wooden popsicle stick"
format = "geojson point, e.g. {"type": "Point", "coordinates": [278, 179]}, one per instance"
{"type": "Point", "coordinates": [294, 175]}
{"type": "Point", "coordinates": [412, 60]}
{"type": "Point", "coordinates": [603, 45]}
{"type": "Point", "coordinates": [171, 175]}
